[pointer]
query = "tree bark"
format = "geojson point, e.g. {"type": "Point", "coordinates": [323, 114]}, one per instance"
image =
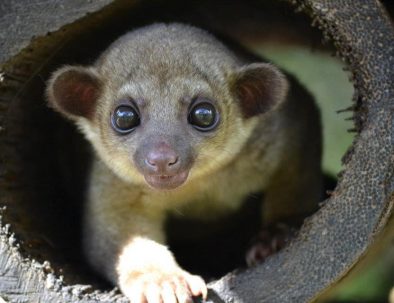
{"type": "Point", "coordinates": [329, 244]}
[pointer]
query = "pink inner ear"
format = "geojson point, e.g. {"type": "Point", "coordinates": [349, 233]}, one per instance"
{"type": "Point", "coordinates": [86, 93]}
{"type": "Point", "coordinates": [76, 93]}
{"type": "Point", "coordinates": [255, 95]}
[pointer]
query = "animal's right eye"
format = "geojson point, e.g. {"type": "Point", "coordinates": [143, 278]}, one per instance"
{"type": "Point", "coordinates": [203, 116]}
{"type": "Point", "coordinates": [125, 119]}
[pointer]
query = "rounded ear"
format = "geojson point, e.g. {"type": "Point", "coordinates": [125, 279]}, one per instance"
{"type": "Point", "coordinates": [73, 91]}
{"type": "Point", "coordinates": [259, 87]}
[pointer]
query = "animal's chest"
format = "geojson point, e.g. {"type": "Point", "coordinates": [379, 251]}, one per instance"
{"type": "Point", "coordinates": [224, 192]}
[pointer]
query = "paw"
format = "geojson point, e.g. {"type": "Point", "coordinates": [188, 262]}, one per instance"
{"type": "Point", "coordinates": [155, 286]}
{"type": "Point", "coordinates": [269, 241]}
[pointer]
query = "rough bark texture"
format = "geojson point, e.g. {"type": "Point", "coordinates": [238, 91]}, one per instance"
{"type": "Point", "coordinates": [20, 21]}
{"type": "Point", "coordinates": [330, 243]}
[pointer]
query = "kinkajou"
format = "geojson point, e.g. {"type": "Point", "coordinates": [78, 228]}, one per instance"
{"type": "Point", "coordinates": [180, 121]}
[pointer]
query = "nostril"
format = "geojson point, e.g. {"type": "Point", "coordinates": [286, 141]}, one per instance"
{"type": "Point", "coordinates": [161, 161]}
{"type": "Point", "coordinates": [150, 162]}
{"type": "Point", "coordinates": [173, 161]}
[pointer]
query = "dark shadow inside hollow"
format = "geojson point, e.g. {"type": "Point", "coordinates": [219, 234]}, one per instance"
{"type": "Point", "coordinates": [389, 5]}
{"type": "Point", "coordinates": [50, 159]}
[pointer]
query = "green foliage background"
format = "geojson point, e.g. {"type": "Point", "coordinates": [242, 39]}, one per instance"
{"type": "Point", "coordinates": [323, 75]}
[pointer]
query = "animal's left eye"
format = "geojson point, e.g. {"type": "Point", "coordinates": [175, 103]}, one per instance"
{"type": "Point", "coordinates": [203, 116]}
{"type": "Point", "coordinates": [125, 119]}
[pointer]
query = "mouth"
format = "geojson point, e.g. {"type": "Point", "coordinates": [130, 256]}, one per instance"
{"type": "Point", "coordinates": [166, 182]}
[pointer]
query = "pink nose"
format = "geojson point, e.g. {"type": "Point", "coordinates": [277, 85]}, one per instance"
{"type": "Point", "coordinates": [162, 160]}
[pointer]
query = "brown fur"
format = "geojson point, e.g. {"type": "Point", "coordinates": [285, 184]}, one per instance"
{"type": "Point", "coordinates": [264, 141]}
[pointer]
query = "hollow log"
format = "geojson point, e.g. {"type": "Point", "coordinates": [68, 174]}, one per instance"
{"type": "Point", "coordinates": [330, 243]}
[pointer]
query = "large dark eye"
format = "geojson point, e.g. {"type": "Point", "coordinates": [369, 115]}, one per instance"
{"type": "Point", "coordinates": [203, 116]}
{"type": "Point", "coordinates": [125, 118]}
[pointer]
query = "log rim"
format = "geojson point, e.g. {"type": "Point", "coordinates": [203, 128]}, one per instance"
{"type": "Point", "coordinates": [369, 108]}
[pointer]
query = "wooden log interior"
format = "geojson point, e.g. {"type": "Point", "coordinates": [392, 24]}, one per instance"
{"type": "Point", "coordinates": [44, 161]}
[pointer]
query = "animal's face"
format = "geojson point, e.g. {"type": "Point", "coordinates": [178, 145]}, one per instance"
{"type": "Point", "coordinates": [167, 133]}
{"type": "Point", "coordinates": [163, 120]}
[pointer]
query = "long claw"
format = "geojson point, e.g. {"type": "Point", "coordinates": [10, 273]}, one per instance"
{"type": "Point", "coordinates": [182, 291]}
{"type": "Point", "coordinates": [168, 294]}
{"type": "Point", "coordinates": [152, 293]}
{"type": "Point", "coordinates": [197, 286]}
